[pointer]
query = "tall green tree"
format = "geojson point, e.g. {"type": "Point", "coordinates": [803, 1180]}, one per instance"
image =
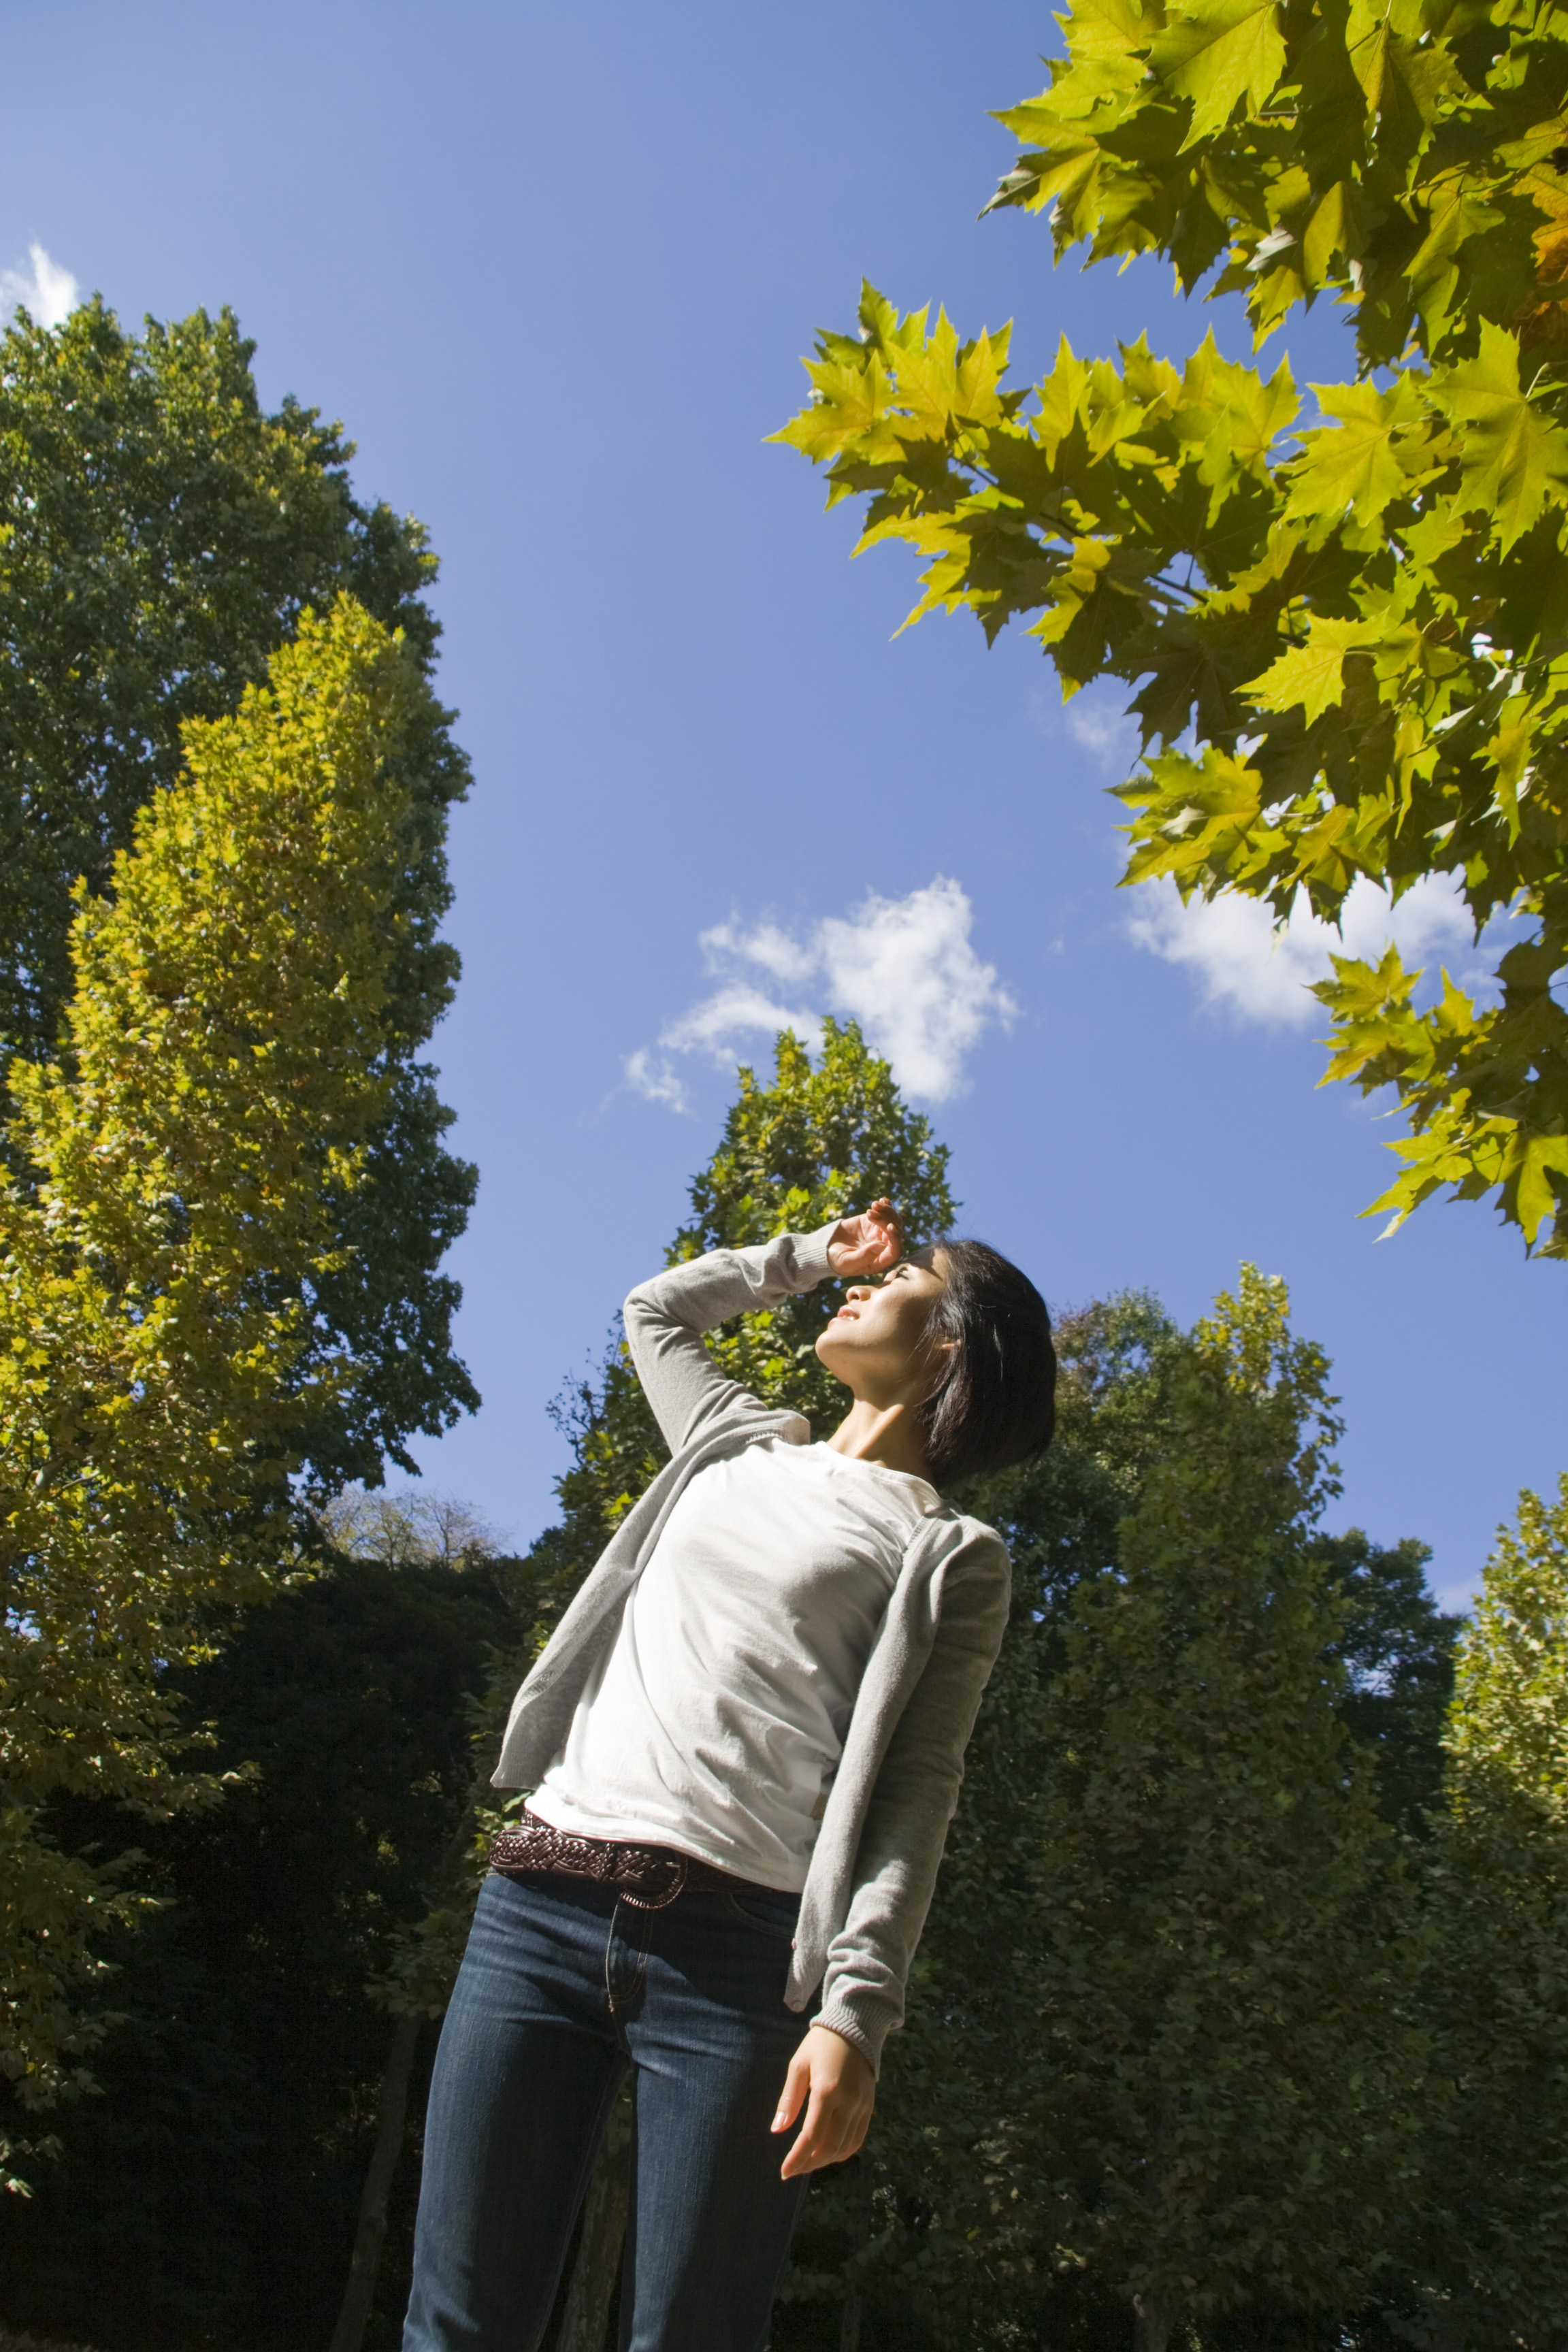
{"type": "Point", "coordinates": [1221, 2108]}
{"type": "Point", "coordinates": [227, 1073]}
{"type": "Point", "coordinates": [932, 2236]}
{"type": "Point", "coordinates": [1496, 2270]}
{"type": "Point", "coordinates": [1346, 631]}
{"type": "Point", "coordinates": [1162, 1941]}
{"type": "Point", "coordinates": [162, 536]}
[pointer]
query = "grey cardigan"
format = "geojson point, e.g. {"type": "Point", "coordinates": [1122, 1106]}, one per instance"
{"type": "Point", "coordinates": [875, 1862]}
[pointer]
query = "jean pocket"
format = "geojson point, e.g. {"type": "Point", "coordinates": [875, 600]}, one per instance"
{"type": "Point", "coordinates": [767, 1914]}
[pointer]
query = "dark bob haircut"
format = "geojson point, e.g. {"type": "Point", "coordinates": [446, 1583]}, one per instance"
{"type": "Point", "coordinates": [995, 1402]}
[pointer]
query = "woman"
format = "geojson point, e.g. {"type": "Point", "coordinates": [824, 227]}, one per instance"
{"type": "Point", "coordinates": [743, 1743]}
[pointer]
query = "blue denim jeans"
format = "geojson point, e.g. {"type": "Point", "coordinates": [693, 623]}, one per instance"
{"type": "Point", "coordinates": [563, 1989]}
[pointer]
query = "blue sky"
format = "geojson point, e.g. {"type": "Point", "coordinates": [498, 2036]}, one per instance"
{"type": "Point", "coordinates": [553, 268]}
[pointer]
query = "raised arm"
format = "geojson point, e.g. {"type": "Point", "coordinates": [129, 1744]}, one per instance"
{"type": "Point", "coordinates": [666, 1318]}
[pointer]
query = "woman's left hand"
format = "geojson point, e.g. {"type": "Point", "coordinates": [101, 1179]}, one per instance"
{"type": "Point", "coordinates": [835, 2082]}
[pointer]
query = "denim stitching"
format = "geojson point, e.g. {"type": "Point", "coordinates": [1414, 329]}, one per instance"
{"type": "Point", "coordinates": [645, 1928]}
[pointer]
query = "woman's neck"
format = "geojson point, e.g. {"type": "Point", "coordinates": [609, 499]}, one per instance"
{"type": "Point", "coordinates": [888, 1435]}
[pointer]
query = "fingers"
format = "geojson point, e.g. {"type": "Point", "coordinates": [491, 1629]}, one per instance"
{"type": "Point", "coordinates": [885, 1232]}
{"type": "Point", "coordinates": [835, 2129]}
{"type": "Point", "coordinates": [796, 2083]}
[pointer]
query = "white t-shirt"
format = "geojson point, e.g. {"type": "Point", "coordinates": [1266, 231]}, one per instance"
{"type": "Point", "coordinates": [715, 1720]}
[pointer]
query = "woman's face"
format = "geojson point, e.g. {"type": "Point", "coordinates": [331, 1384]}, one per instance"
{"type": "Point", "coordinates": [876, 1343]}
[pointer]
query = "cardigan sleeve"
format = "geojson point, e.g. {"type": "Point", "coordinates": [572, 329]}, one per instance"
{"type": "Point", "coordinates": [666, 1318]}
{"type": "Point", "coordinates": [913, 1800]}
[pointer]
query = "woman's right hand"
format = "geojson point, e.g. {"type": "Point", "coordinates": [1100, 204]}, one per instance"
{"type": "Point", "coordinates": [867, 1243]}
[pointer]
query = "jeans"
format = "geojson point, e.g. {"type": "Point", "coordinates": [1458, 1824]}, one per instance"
{"type": "Point", "coordinates": [563, 1989]}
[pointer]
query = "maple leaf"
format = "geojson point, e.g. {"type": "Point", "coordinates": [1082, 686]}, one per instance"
{"type": "Point", "coordinates": [1217, 53]}
{"type": "Point", "coordinates": [1312, 673]}
{"type": "Point", "coordinates": [1513, 458]}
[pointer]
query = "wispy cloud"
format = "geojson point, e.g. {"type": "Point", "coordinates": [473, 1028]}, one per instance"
{"type": "Point", "coordinates": [1097, 724]}
{"type": "Point", "coordinates": [1109, 736]}
{"type": "Point", "coordinates": [1244, 966]}
{"type": "Point", "coordinates": [904, 968]}
{"type": "Point", "coordinates": [48, 293]}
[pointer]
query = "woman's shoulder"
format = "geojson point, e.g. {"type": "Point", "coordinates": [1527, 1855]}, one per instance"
{"type": "Point", "coordinates": [963, 1541]}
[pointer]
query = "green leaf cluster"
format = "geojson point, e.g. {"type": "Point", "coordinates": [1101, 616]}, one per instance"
{"type": "Point", "coordinates": [1493, 2273]}
{"type": "Point", "coordinates": [1346, 634]}
{"type": "Point", "coordinates": [162, 536]}
{"type": "Point", "coordinates": [229, 1033]}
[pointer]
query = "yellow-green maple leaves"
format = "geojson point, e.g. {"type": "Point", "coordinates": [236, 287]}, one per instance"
{"type": "Point", "coordinates": [1345, 635]}
{"type": "Point", "coordinates": [1512, 457]}
{"type": "Point", "coordinates": [229, 1036]}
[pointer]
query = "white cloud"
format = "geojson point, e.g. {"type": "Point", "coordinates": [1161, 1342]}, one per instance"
{"type": "Point", "coordinates": [48, 292]}
{"type": "Point", "coordinates": [1108, 736]}
{"type": "Point", "coordinates": [648, 1075]}
{"type": "Point", "coordinates": [735, 1011]}
{"type": "Point", "coordinates": [1244, 966]}
{"type": "Point", "coordinates": [766, 944]}
{"type": "Point", "coordinates": [903, 968]}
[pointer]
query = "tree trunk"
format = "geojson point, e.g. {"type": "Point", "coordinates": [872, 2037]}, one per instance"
{"type": "Point", "coordinates": [1151, 2330]}
{"type": "Point", "coordinates": [348, 2335]}
{"type": "Point", "coordinates": [598, 2262]}
{"type": "Point", "coordinates": [849, 2333]}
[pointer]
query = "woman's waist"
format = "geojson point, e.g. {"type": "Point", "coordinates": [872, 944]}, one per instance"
{"type": "Point", "coordinates": [711, 1826]}
{"type": "Point", "coordinates": [648, 1875]}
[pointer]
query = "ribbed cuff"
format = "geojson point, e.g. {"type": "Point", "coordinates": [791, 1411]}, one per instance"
{"type": "Point", "coordinates": [811, 1254]}
{"type": "Point", "coordinates": [852, 2029]}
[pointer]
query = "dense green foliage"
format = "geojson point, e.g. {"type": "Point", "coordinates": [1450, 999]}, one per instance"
{"type": "Point", "coordinates": [162, 538]}
{"type": "Point", "coordinates": [1347, 636]}
{"type": "Point", "coordinates": [1493, 2275]}
{"type": "Point", "coordinates": [1221, 2087]}
{"type": "Point", "coordinates": [1164, 1859]}
{"type": "Point", "coordinates": [227, 1073]}
{"type": "Point", "coordinates": [208, 2197]}
{"type": "Point", "coordinates": [1396, 1648]}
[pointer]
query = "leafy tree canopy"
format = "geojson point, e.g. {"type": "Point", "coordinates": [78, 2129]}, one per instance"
{"type": "Point", "coordinates": [162, 536]}
{"type": "Point", "coordinates": [228, 1071]}
{"type": "Point", "coordinates": [1347, 634]}
{"type": "Point", "coordinates": [1495, 2270]}
{"type": "Point", "coordinates": [1159, 2051]}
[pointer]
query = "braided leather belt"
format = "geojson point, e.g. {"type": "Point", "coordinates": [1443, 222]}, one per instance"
{"type": "Point", "coordinates": [648, 1878]}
